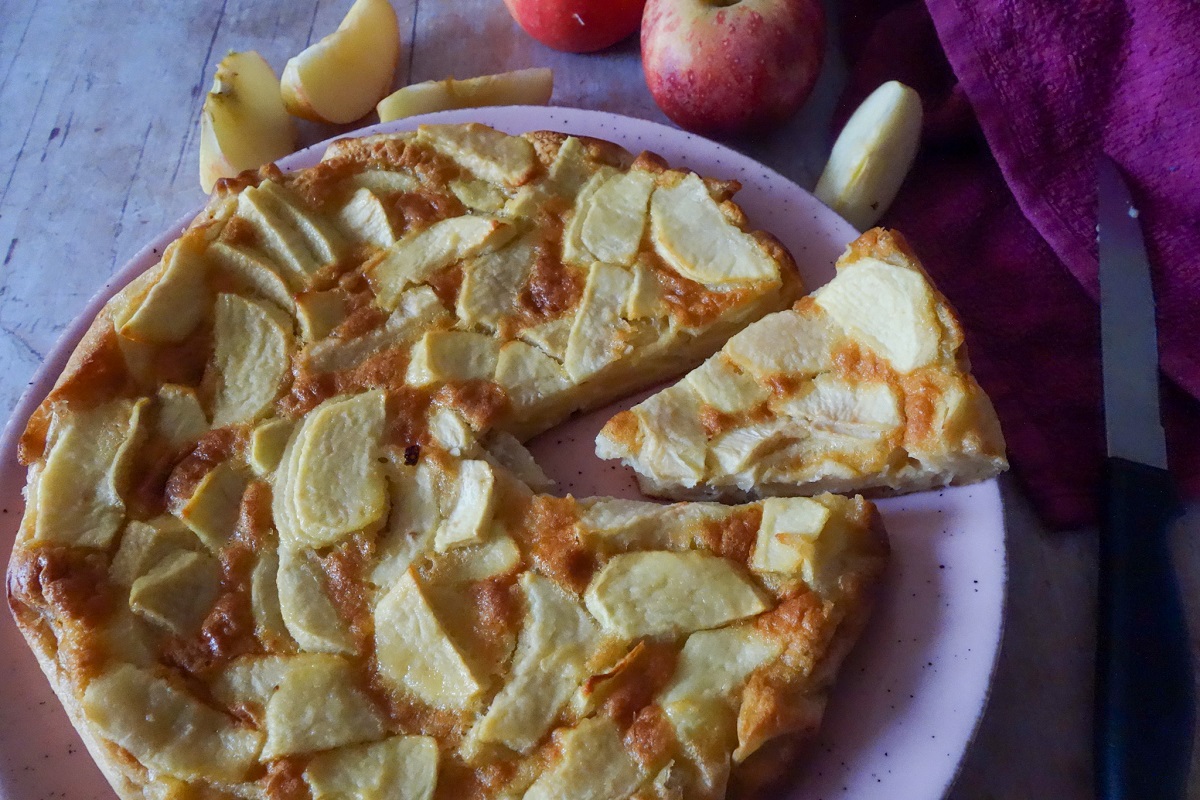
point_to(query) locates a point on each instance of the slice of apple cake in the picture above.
(864, 386)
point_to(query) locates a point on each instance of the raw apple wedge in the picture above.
(872, 155)
(243, 124)
(341, 78)
(522, 87)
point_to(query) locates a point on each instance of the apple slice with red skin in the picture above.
(724, 67)
(577, 26)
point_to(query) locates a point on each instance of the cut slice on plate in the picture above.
(864, 386)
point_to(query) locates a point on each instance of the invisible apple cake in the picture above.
(862, 386)
(282, 540)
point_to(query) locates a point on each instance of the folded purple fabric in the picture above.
(1020, 97)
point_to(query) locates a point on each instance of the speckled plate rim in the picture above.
(911, 695)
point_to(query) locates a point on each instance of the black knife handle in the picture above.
(1144, 711)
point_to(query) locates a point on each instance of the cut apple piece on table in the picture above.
(872, 155)
(243, 124)
(522, 87)
(341, 78)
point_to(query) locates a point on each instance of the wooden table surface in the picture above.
(99, 110)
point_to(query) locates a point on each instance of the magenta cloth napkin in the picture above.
(1020, 96)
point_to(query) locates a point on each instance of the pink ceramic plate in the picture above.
(911, 693)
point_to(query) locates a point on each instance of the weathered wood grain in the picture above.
(99, 108)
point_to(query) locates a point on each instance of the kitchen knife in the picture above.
(1144, 711)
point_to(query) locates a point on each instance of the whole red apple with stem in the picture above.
(731, 66)
(577, 26)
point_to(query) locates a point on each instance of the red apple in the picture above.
(577, 26)
(730, 66)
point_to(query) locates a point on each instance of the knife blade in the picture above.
(1144, 714)
(1129, 336)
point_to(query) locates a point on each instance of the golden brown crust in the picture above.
(39, 633)
(548, 143)
(882, 243)
(788, 720)
(551, 289)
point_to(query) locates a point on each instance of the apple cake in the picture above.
(862, 386)
(282, 540)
